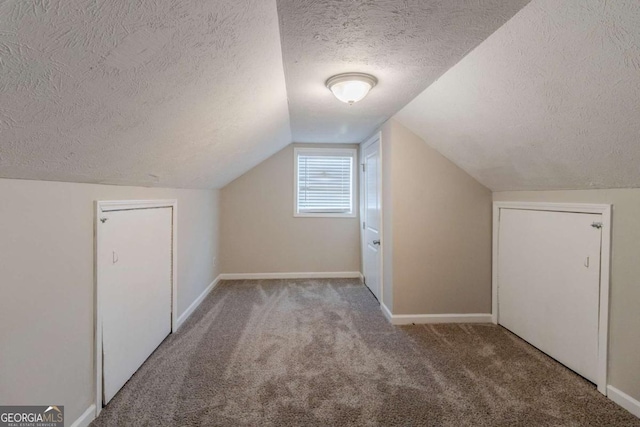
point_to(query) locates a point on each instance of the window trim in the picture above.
(351, 152)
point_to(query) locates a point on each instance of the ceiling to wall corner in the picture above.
(176, 93)
(549, 101)
(406, 44)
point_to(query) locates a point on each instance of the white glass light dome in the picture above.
(351, 87)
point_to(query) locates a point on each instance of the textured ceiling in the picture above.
(179, 93)
(407, 44)
(549, 101)
(192, 94)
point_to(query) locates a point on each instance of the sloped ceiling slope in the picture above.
(406, 44)
(176, 93)
(549, 101)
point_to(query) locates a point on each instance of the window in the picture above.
(325, 182)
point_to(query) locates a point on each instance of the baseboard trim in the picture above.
(189, 311)
(624, 400)
(408, 319)
(300, 275)
(85, 419)
(386, 312)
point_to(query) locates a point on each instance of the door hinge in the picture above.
(597, 225)
(363, 225)
(363, 167)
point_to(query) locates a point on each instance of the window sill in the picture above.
(323, 215)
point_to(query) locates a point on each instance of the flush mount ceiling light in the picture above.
(351, 87)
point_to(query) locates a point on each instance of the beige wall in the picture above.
(261, 235)
(438, 220)
(624, 326)
(387, 160)
(47, 284)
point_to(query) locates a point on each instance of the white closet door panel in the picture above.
(372, 196)
(136, 265)
(549, 281)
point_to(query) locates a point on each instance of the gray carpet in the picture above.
(320, 353)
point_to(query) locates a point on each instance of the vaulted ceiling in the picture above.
(192, 94)
(168, 93)
(406, 44)
(185, 93)
(551, 100)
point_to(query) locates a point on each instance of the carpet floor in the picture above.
(320, 353)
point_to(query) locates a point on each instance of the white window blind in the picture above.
(325, 183)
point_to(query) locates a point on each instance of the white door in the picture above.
(372, 196)
(549, 283)
(135, 256)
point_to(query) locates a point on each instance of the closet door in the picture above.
(371, 248)
(549, 283)
(135, 257)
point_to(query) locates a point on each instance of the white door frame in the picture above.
(605, 268)
(121, 205)
(376, 137)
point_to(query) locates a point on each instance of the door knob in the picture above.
(376, 242)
